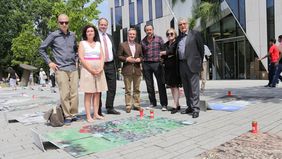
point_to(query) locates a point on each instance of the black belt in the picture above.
(109, 62)
(151, 61)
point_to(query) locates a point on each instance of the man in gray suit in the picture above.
(190, 54)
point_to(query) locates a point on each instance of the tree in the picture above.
(80, 13)
(206, 11)
(25, 47)
(23, 20)
(13, 15)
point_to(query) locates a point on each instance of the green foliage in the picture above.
(207, 12)
(25, 47)
(24, 23)
(80, 14)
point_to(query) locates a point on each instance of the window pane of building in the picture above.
(131, 14)
(117, 3)
(159, 8)
(140, 11)
(270, 19)
(118, 18)
(238, 9)
(150, 10)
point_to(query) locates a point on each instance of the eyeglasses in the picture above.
(62, 23)
(169, 34)
(182, 24)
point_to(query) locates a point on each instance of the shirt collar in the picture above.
(101, 33)
(61, 32)
(131, 43)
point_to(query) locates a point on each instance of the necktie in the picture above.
(106, 48)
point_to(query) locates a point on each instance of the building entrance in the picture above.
(230, 58)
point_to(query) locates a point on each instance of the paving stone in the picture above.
(212, 128)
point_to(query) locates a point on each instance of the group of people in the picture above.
(275, 64)
(98, 58)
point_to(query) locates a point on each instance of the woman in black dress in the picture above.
(172, 76)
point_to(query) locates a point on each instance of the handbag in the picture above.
(55, 116)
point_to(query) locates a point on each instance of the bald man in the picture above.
(64, 48)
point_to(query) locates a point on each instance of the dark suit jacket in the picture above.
(194, 51)
(123, 53)
(115, 56)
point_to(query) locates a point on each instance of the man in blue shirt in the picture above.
(64, 48)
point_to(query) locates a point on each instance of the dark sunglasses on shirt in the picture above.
(169, 34)
(62, 23)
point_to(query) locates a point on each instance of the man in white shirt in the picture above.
(205, 68)
(109, 67)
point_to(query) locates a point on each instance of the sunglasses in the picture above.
(62, 23)
(169, 34)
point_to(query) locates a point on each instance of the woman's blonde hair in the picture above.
(171, 29)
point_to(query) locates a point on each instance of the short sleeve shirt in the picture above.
(274, 53)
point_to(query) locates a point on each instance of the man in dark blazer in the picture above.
(130, 53)
(109, 67)
(190, 54)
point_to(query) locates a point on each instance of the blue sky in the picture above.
(105, 12)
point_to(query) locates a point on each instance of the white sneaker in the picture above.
(150, 107)
(164, 108)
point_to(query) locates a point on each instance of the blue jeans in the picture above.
(278, 70)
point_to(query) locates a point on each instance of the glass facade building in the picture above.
(138, 13)
(236, 40)
(233, 55)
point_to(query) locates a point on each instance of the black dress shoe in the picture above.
(195, 114)
(178, 107)
(187, 111)
(113, 111)
(173, 110)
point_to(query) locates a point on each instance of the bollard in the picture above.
(141, 111)
(229, 93)
(254, 127)
(152, 114)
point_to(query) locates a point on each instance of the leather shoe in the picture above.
(195, 114)
(127, 110)
(173, 110)
(187, 111)
(178, 107)
(113, 111)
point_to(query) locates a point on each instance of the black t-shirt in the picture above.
(13, 74)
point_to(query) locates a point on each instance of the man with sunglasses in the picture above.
(190, 54)
(64, 48)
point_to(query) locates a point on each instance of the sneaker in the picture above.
(67, 122)
(164, 108)
(150, 106)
